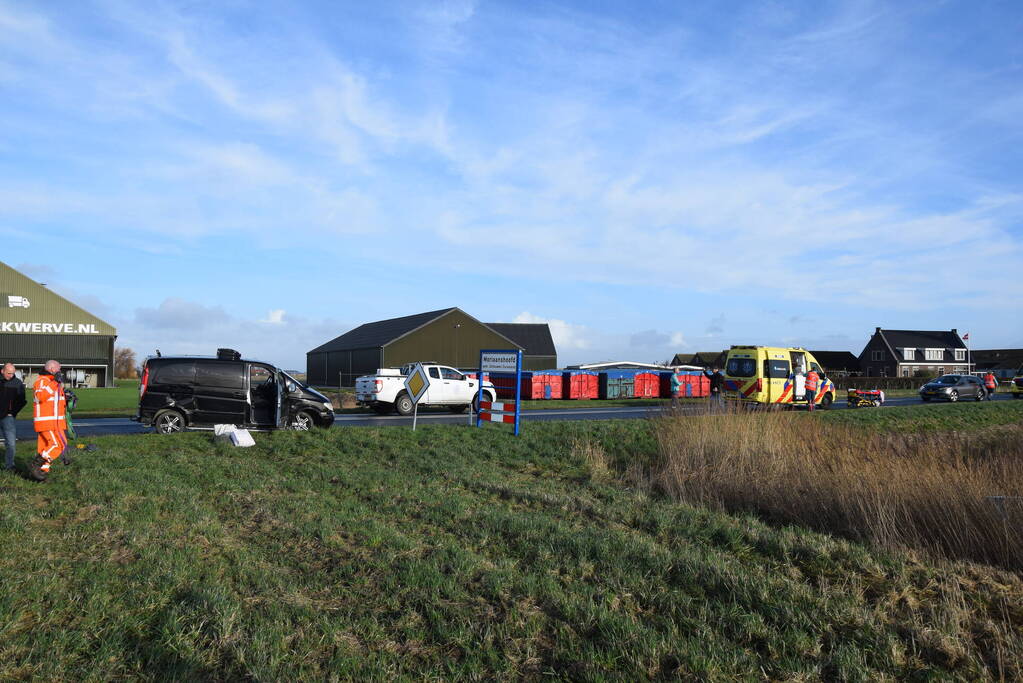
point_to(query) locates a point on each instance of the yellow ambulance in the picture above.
(1017, 384)
(771, 375)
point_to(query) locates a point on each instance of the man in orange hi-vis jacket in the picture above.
(50, 420)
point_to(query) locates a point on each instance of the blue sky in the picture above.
(651, 178)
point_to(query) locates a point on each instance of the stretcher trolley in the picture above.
(865, 398)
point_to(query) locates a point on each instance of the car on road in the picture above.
(385, 391)
(1016, 384)
(954, 388)
(189, 392)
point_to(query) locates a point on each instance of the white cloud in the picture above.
(566, 336)
(274, 317)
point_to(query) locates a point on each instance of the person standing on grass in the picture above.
(676, 387)
(812, 379)
(50, 420)
(12, 400)
(717, 386)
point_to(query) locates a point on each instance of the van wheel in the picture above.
(169, 422)
(403, 404)
(826, 402)
(302, 422)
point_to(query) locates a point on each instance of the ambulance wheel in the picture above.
(302, 422)
(169, 422)
(403, 404)
(826, 402)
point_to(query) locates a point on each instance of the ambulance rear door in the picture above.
(799, 375)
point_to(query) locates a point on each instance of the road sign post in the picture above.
(500, 360)
(416, 385)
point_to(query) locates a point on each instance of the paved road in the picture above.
(122, 425)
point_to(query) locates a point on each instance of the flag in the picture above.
(966, 336)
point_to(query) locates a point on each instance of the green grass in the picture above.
(931, 417)
(449, 553)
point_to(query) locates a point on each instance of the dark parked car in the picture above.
(953, 388)
(188, 392)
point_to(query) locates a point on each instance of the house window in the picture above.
(960, 354)
(877, 355)
(941, 370)
(935, 354)
(905, 372)
(908, 353)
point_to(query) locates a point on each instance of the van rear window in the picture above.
(741, 367)
(224, 375)
(777, 369)
(174, 373)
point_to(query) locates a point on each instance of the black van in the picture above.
(188, 392)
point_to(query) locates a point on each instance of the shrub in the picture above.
(951, 494)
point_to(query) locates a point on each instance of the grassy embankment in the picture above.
(454, 552)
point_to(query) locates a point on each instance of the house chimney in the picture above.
(955, 331)
(877, 330)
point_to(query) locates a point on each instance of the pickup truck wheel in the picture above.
(403, 404)
(169, 422)
(487, 397)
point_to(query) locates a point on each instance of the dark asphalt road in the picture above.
(122, 425)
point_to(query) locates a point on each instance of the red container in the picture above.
(580, 384)
(647, 384)
(504, 385)
(541, 384)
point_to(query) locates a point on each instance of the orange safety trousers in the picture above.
(50, 446)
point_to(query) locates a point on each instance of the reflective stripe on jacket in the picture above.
(811, 380)
(989, 381)
(49, 403)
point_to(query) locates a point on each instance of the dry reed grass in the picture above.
(937, 492)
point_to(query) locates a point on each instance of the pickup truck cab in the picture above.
(385, 392)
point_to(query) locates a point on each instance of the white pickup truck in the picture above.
(385, 391)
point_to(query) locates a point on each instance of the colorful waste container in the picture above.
(617, 384)
(580, 384)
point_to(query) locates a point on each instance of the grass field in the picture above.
(452, 553)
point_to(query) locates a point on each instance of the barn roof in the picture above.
(534, 338)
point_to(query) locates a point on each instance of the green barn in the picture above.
(449, 336)
(37, 324)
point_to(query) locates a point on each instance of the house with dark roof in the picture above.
(702, 359)
(909, 353)
(448, 336)
(838, 363)
(538, 351)
(1002, 363)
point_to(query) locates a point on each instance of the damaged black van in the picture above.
(190, 392)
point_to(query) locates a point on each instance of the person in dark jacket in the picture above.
(717, 386)
(12, 400)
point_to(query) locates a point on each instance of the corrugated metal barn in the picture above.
(449, 336)
(37, 324)
(538, 352)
